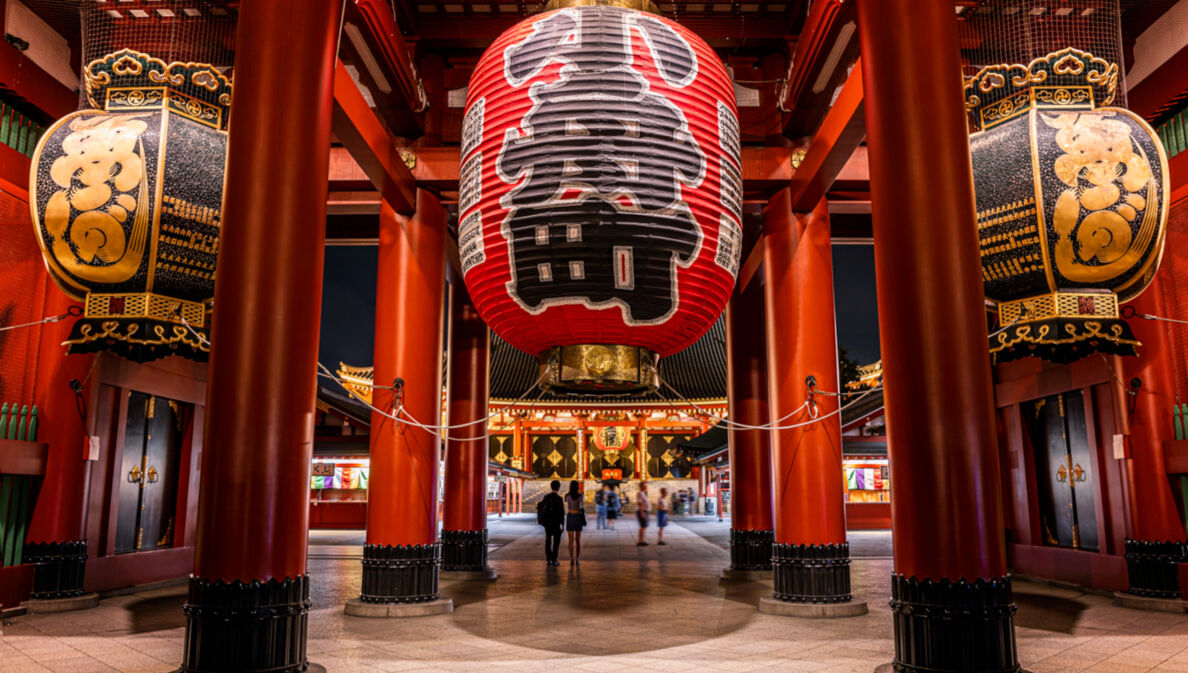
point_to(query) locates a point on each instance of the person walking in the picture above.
(661, 516)
(575, 521)
(550, 513)
(600, 507)
(613, 506)
(642, 507)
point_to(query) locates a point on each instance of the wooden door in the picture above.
(132, 473)
(1063, 470)
(154, 431)
(1081, 480)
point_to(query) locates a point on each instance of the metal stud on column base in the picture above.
(464, 555)
(58, 578)
(750, 555)
(953, 626)
(246, 627)
(812, 581)
(1153, 570)
(400, 581)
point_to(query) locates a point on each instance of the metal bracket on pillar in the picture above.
(954, 626)
(751, 549)
(809, 573)
(1153, 567)
(400, 573)
(464, 549)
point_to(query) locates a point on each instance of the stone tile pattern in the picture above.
(626, 608)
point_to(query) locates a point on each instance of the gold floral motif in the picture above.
(103, 186)
(1064, 68)
(1111, 187)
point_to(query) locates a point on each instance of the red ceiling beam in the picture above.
(372, 42)
(26, 80)
(370, 144)
(477, 32)
(840, 134)
(1159, 91)
(825, 49)
(765, 169)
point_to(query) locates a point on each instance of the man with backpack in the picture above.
(550, 513)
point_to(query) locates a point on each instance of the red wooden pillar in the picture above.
(1155, 536)
(752, 520)
(56, 532)
(402, 556)
(951, 594)
(253, 513)
(464, 524)
(810, 557)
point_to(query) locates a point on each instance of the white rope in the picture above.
(770, 426)
(1148, 316)
(55, 318)
(197, 335)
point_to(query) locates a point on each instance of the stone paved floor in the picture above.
(626, 608)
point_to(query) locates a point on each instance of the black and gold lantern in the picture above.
(1071, 205)
(126, 197)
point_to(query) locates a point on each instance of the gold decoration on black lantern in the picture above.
(124, 223)
(1071, 204)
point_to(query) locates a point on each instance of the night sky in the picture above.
(348, 303)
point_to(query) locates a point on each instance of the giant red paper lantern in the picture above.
(601, 192)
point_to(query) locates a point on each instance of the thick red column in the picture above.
(946, 507)
(464, 520)
(56, 534)
(409, 320)
(253, 508)
(1155, 536)
(811, 557)
(752, 520)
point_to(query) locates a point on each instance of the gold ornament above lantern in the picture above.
(126, 200)
(1071, 204)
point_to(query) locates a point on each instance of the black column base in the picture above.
(953, 626)
(811, 573)
(751, 549)
(464, 549)
(257, 627)
(1152, 567)
(400, 573)
(60, 568)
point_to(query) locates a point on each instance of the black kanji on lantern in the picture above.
(599, 215)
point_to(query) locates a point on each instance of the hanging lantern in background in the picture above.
(1072, 205)
(601, 192)
(127, 202)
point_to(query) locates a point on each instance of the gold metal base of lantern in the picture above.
(1061, 327)
(1063, 304)
(145, 305)
(599, 369)
(641, 5)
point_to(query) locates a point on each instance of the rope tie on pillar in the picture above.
(73, 312)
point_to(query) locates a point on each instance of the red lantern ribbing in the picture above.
(55, 539)
(600, 193)
(253, 512)
(402, 557)
(951, 594)
(1155, 536)
(751, 516)
(464, 511)
(810, 557)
